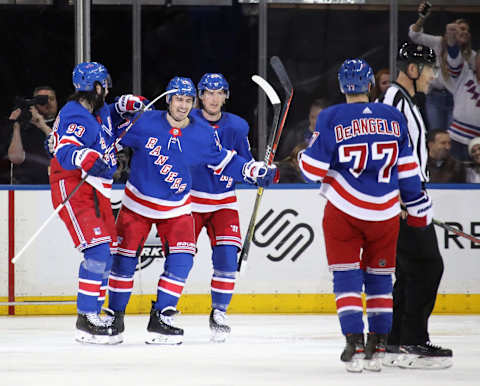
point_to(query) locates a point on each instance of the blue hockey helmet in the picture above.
(354, 76)
(184, 86)
(87, 73)
(213, 81)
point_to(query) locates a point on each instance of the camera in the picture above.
(25, 103)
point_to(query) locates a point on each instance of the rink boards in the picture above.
(286, 272)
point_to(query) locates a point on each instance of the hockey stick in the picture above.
(105, 155)
(272, 145)
(456, 231)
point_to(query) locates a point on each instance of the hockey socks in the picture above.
(224, 271)
(120, 285)
(104, 285)
(171, 283)
(378, 289)
(91, 273)
(347, 286)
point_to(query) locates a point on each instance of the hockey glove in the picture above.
(129, 104)
(257, 172)
(271, 177)
(49, 145)
(91, 162)
(420, 211)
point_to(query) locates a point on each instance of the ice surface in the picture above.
(262, 350)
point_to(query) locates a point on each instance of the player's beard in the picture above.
(99, 101)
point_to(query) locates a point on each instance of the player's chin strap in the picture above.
(420, 69)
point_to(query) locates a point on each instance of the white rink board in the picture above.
(4, 243)
(50, 266)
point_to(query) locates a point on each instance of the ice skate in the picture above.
(161, 329)
(392, 354)
(218, 326)
(425, 356)
(92, 329)
(353, 353)
(374, 351)
(115, 319)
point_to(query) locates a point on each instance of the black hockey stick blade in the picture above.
(456, 231)
(279, 118)
(287, 86)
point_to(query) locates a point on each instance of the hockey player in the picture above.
(166, 145)
(214, 203)
(360, 152)
(81, 134)
(419, 265)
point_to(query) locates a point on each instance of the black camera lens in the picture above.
(40, 100)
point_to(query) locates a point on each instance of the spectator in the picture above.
(473, 168)
(123, 166)
(443, 168)
(301, 132)
(464, 85)
(439, 101)
(288, 167)
(5, 135)
(382, 82)
(31, 124)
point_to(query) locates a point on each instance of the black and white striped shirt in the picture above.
(398, 97)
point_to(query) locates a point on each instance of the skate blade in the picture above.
(85, 337)
(425, 363)
(356, 364)
(374, 364)
(390, 360)
(154, 338)
(218, 337)
(116, 339)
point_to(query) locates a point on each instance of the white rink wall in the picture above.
(288, 254)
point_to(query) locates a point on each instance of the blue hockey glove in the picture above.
(257, 172)
(420, 211)
(99, 168)
(271, 176)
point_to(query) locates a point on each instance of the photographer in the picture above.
(31, 122)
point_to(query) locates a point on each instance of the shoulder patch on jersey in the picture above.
(367, 110)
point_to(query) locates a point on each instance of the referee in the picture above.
(419, 265)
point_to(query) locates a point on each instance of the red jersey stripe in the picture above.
(153, 206)
(211, 201)
(357, 202)
(409, 166)
(313, 169)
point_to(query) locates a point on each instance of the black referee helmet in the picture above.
(416, 53)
